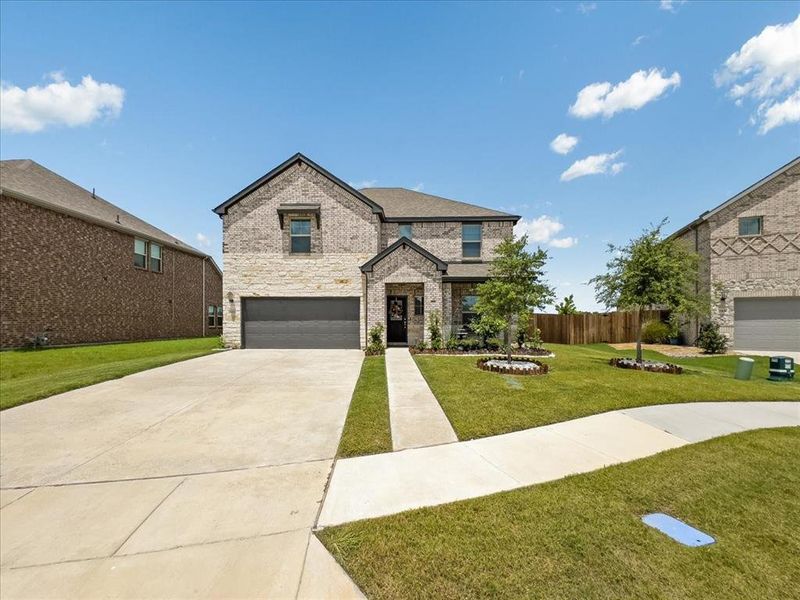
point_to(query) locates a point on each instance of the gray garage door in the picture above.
(300, 323)
(767, 324)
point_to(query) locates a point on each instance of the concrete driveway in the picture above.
(199, 479)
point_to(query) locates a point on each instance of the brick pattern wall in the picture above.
(459, 290)
(403, 266)
(754, 266)
(443, 239)
(256, 249)
(77, 279)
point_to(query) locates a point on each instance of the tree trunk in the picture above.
(639, 358)
(508, 343)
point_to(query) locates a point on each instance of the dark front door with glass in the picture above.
(396, 320)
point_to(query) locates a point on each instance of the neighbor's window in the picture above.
(750, 225)
(300, 233)
(419, 305)
(468, 314)
(155, 258)
(211, 319)
(140, 253)
(405, 230)
(471, 240)
(219, 316)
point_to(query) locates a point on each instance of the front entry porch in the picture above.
(405, 313)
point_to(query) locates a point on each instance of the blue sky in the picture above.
(460, 100)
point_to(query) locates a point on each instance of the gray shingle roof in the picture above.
(468, 270)
(30, 181)
(400, 203)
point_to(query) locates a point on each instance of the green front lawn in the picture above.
(367, 430)
(479, 403)
(582, 537)
(27, 375)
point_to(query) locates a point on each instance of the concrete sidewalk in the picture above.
(383, 484)
(416, 417)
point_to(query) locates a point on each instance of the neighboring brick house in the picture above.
(749, 250)
(311, 262)
(81, 270)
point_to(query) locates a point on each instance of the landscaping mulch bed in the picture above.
(518, 366)
(483, 352)
(647, 365)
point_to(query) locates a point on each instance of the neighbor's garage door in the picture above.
(300, 322)
(767, 324)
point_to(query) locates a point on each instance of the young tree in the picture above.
(515, 287)
(649, 272)
(567, 306)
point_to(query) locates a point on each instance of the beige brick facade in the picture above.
(765, 265)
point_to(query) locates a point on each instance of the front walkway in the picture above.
(383, 484)
(416, 418)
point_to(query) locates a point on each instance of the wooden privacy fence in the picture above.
(592, 328)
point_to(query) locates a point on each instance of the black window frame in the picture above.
(465, 243)
(410, 226)
(758, 220)
(219, 316)
(212, 317)
(468, 316)
(419, 305)
(299, 236)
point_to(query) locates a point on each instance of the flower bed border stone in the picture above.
(649, 366)
(527, 352)
(542, 370)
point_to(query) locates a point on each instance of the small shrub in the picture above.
(451, 343)
(421, 345)
(494, 344)
(375, 345)
(711, 340)
(655, 332)
(435, 329)
(534, 338)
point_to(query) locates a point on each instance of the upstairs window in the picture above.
(300, 234)
(750, 225)
(468, 314)
(155, 258)
(405, 230)
(219, 316)
(471, 240)
(212, 316)
(139, 254)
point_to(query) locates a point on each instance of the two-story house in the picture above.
(311, 262)
(749, 250)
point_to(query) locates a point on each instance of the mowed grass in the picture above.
(367, 429)
(27, 375)
(582, 537)
(581, 382)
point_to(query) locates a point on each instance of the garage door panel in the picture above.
(301, 323)
(767, 324)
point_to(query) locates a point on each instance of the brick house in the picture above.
(311, 262)
(749, 250)
(79, 269)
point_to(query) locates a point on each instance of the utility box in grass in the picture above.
(781, 368)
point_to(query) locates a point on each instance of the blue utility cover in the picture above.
(678, 530)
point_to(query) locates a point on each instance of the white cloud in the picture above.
(419, 187)
(542, 231)
(587, 7)
(58, 103)
(607, 99)
(521, 74)
(594, 165)
(670, 5)
(203, 240)
(639, 39)
(366, 183)
(563, 143)
(766, 69)
(775, 114)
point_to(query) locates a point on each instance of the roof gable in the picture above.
(403, 242)
(297, 158)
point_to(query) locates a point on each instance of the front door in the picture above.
(396, 320)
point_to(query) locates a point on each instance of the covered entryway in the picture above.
(767, 324)
(300, 323)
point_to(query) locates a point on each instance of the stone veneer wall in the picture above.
(767, 265)
(404, 265)
(443, 239)
(256, 252)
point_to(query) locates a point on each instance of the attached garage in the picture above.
(300, 323)
(767, 324)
